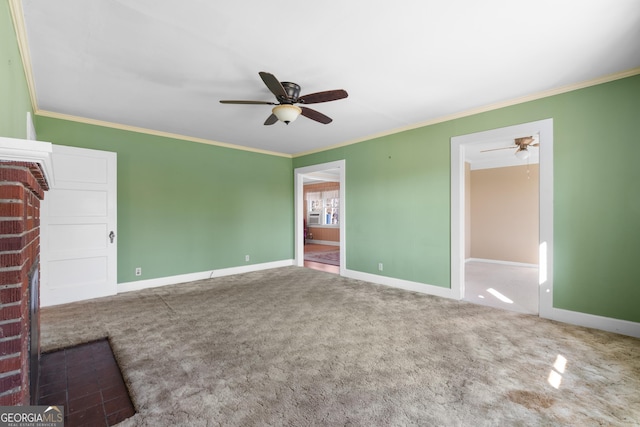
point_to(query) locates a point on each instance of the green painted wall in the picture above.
(398, 197)
(14, 93)
(186, 207)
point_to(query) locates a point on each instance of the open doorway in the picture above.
(502, 223)
(320, 217)
(321, 207)
(461, 229)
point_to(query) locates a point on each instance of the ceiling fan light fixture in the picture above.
(522, 153)
(286, 112)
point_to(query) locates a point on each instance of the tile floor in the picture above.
(86, 380)
(511, 287)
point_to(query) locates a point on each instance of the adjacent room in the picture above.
(285, 213)
(502, 229)
(321, 207)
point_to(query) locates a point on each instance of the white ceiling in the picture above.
(331, 175)
(499, 153)
(164, 65)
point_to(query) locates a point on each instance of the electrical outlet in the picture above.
(247, 258)
(380, 266)
(138, 271)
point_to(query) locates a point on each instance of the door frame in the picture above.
(545, 247)
(299, 207)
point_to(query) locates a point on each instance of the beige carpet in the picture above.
(297, 347)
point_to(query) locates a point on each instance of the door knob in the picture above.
(112, 236)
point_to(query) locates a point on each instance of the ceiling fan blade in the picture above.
(326, 96)
(503, 148)
(525, 140)
(315, 115)
(247, 102)
(274, 85)
(270, 120)
(537, 144)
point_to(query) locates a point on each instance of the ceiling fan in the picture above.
(522, 145)
(287, 95)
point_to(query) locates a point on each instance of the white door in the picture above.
(78, 227)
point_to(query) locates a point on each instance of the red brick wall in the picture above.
(22, 186)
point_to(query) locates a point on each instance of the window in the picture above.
(323, 207)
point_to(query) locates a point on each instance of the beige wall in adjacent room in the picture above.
(504, 213)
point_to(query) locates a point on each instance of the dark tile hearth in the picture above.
(86, 380)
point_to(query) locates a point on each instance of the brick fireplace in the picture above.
(24, 171)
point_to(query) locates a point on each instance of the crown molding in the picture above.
(17, 15)
(483, 109)
(94, 122)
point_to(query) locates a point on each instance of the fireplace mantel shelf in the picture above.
(25, 150)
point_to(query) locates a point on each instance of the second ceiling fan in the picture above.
(288, 94)
(522, 145)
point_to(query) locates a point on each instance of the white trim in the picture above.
(190, 277)
(17, 14)
(458, 143)
(323, 242)
(31, 129)
(24, 150)
(496, 261)
(400, 284)
(162, 134)
(607, 324)
(483, 109)
(546, 266)
(299, 207)
(618, 326)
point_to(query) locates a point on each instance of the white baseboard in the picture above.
(190, 277)
(624, 327)
(495, 261)
(400, 283)
(323, 242)
(618, 326)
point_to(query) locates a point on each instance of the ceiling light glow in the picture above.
(286, 112)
